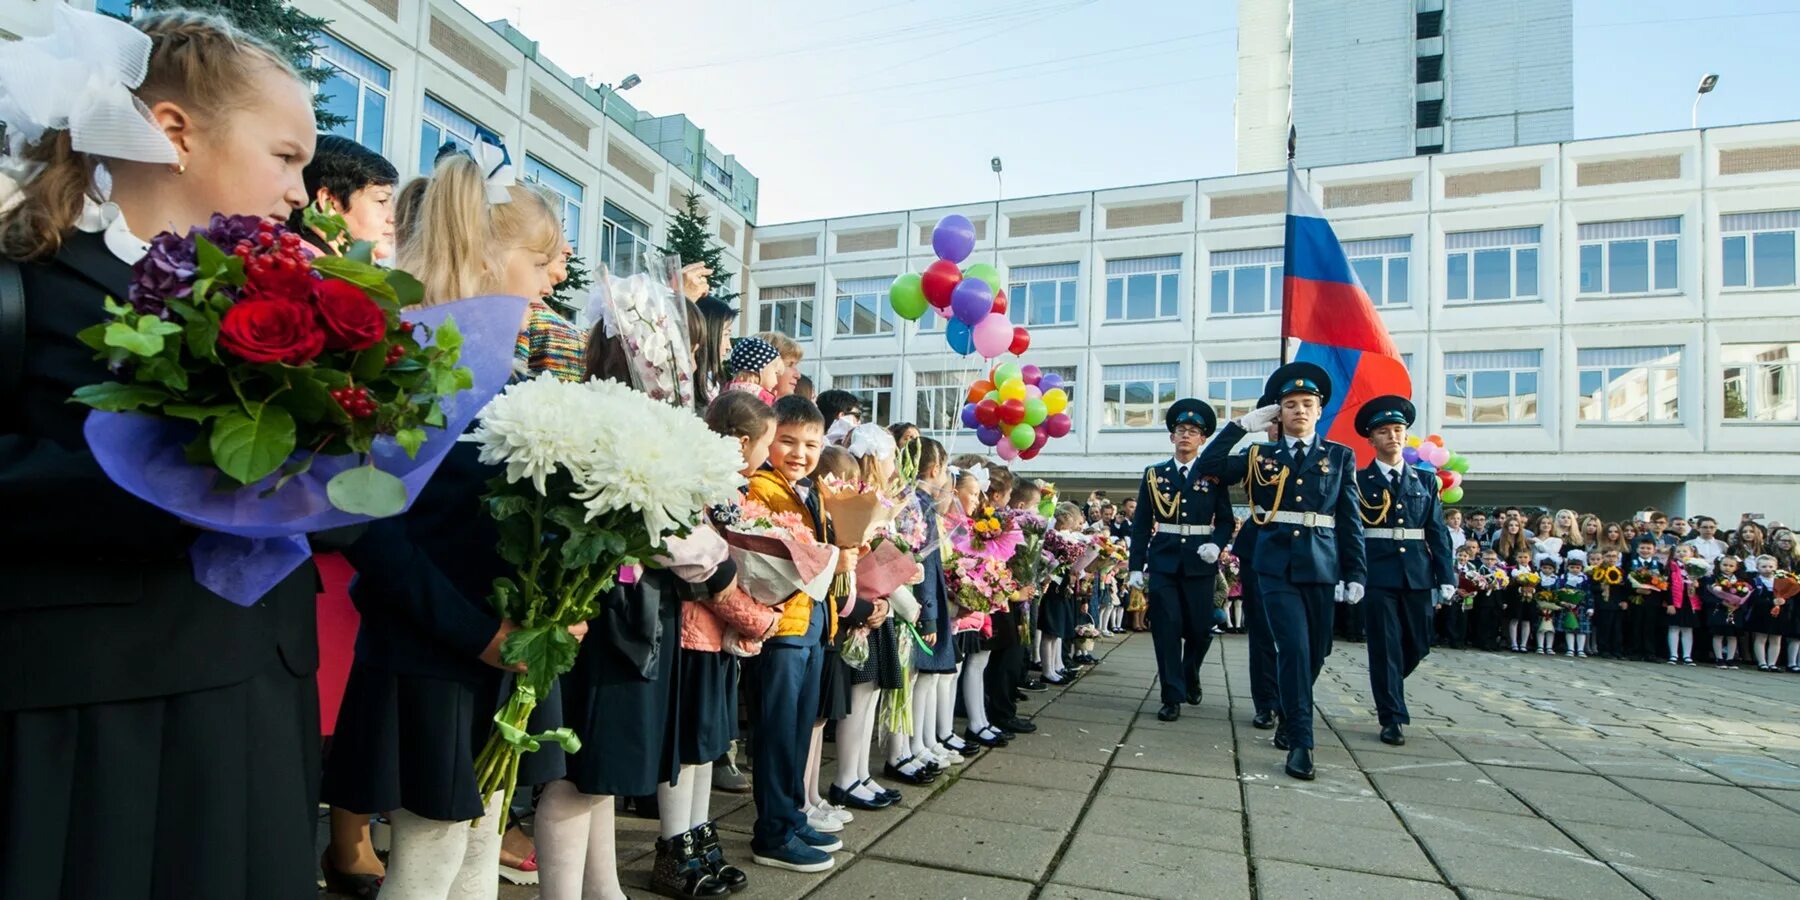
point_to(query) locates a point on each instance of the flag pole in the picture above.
(1287, 246)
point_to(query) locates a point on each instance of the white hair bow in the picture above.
(839, 432)
(80, 77)
(870, 439)
(496, 171)
(978, 472)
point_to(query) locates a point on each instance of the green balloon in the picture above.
(1452, 495)
(1457, 463)
(1004, 373)
(994, 396)
(986, 273)
(907, 294)
(1035, 412)
(1022, 435)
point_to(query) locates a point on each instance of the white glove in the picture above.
(1136, 581)
(1209, 553)
(1447, 591)
(1353, 593)
(1258, 419)
(1337, 593)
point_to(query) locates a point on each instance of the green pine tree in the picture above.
(571, 293)
(291, 32)
(690, 239)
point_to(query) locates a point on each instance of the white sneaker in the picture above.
(822, 820)
(1571, 654)
(839, 813)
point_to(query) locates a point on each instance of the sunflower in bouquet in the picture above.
(1612, 576)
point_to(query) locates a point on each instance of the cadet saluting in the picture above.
(1183, 518)
(1309, 536)
(1410, 566)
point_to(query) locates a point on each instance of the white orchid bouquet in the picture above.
(597, 477)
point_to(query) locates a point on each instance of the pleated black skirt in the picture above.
(1056, 618)
(967, 644)
(629, 725)
(834, 686)
(883, 665)
(709, 701)
(208, 795)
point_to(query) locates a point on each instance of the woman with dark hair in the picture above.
(711, 334)
(356, 183)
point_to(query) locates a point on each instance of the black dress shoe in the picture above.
(1390, 734)
(889, 794)
(1300, 764)
(1019, 726)
(976, 737)
(1281, 741)
(1169, 712)
(1263, 721)
(840, 797)
(919, 776)
(1193, 697)
(1035, 686)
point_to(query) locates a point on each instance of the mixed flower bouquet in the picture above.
(1069, 554)
(1732, 593)
(980, 583)
(583, 499)
(1571, 600)
(777, 555)
(262, 393)
(858, 509)
(1646, 581)
(1085, 635)
(1030, 565)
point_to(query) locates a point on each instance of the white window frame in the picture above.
(345, 59)
(1605, 238)
(1470, 245)
(450, 122)
(1650, 366)
(938, 396)
(1234, 386)
(1746, 230)
(611, 232)
(1752, 381)
(771, 309)
(851, 291)
(1226, 268)
(877, 398)
(1393, 253)
(1066, 277)
(1467, 365)
(1166, 296)
(567, 193)
(1115, 382)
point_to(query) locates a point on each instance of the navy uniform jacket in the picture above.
(1405, 565)
(1325, 485)
(1202, 500)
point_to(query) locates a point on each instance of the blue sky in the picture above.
(868, 105)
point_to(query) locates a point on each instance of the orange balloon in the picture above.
(979, 390)
(1435, 439)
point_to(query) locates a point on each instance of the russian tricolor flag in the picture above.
(1327, 315)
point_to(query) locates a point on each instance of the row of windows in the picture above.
(1615, 386)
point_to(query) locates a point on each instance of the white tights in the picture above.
(437, 860)
(815, 757)
(1050, 656)
(855, 734)
(1793, 651)
(686, 805)
(1521, 635)
(924, 716)
(1681, 642)
(1725, 650)
(974, 690)
(946, 708)
(576, 845)
(1767, 648)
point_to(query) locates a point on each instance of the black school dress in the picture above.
(144, 720)
(1056, 616)
(419, 704)
(1721, 620)
(1762, 619)
(622, 697)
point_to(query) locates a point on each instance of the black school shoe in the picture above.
(919, 777)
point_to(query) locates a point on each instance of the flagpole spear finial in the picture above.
(1292, 137)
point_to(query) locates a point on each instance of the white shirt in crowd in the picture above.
(1708, 550)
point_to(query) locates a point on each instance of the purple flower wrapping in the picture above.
(166, 272)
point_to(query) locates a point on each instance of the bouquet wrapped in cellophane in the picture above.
(777, 555)
(858, 509)
(597, 477)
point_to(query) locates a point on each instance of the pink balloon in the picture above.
(1439, 455)
(1031, 391)
(1005, 448)
(993, 335)
(942, 311)
(1042, 439)
(1455, 479)
(1031, 374)
(1058, 425)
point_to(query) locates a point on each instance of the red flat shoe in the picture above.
(524, 873)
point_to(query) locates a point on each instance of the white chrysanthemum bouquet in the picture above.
(597, 476)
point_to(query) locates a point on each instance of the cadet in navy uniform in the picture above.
(1411, 568)
(1265, 691)
(1183, 519)
(1309, 536)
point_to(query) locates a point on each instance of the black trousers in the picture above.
(1006, 667)
(1399, 629)
(1300, 619)
(1609, 635)
(1484, 621)
(1181, 631)
(1265, 688)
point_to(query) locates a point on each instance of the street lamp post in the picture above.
(1707, 83)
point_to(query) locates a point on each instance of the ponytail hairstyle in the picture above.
(740, 414)
(835, 461)
(455, 241)
(196, 60)
(406, 209)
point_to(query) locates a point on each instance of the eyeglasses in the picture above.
(1188, 431)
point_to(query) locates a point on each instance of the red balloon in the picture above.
(940, 278)
(1042, 439)
(1030, 452)
(999, 301)
(1444, 476)
(1012, 412)
(1021, 341)
(987, 412)
(979, 390)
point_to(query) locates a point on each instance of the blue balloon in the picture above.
(953, 238)
(960, 336)
(987, 436)
(968, 416)
(971, 301)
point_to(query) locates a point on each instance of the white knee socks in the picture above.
(974, 690)
(577, 850)
(436, 860)
(924, 712)
(700, 811)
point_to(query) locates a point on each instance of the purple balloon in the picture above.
(1033, 375)
(987, 436)
(1410, 454)
(968, 416)
(1050, 381)
(953, 238)
(971, 301)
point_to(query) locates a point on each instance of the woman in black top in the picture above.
(156, 740)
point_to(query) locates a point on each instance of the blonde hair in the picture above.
(406, 209)
(1070, 513)
(785, 347)
(199, 61)
(454, 243)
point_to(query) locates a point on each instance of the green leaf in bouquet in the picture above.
(447, 337)
(209, 260)
(367, 491)
(202, 331)
(292, 470)
(197, 412)
(146, 339)
(582, 548)
(164, 371)
(116, 309)
(331, 378)
(249, 443)
(547, 651)
(310, 400)
(368, 364)
(94, 336)
(505, 598)
(505, 506)
(434, 417)
(410, 440)
(198, 452)
(361, 251)
(517, 540)
(407, 289)
(363, 275)
(112, 396)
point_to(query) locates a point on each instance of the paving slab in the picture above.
(1628, 845)
(1169, 787)
(971, 845)
(1181, 824)
(1379, 851)
(1299, 800)
(1418, 787)
(1676, 793)
(879, 879)
(1517, 854)
(1011, 768)
(1294, 881)
(1149, 869)
(1021, 804)
(1664, 884)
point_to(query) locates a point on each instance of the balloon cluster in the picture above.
(1017, 410)
(973, 299)
(1449, 466)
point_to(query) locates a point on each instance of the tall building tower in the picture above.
(1365, 80)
